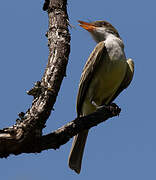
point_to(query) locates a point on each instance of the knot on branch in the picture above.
(36, 90)
(21, 118)
(46, 5)
(39, 89)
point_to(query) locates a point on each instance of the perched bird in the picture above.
(106, 73)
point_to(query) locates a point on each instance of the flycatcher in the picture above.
(106, 73)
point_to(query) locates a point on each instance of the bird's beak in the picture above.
(87, 26)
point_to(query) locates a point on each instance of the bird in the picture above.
(105, 75)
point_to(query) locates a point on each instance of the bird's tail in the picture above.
(77, 149)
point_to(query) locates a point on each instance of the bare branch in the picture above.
(12, 145)
(45, 92)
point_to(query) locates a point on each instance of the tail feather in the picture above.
(77, 149)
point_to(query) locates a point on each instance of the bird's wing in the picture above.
(88, 71)
(127, 79)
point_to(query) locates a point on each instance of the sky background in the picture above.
(122, 148)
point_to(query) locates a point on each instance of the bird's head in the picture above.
(99, 30)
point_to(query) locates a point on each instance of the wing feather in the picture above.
(127, 80)
(88, 72)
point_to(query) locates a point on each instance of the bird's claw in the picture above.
(114, 109)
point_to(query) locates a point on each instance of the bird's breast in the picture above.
(105, 82)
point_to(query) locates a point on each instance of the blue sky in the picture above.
(122, 148)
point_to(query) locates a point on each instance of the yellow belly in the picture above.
(104, 84)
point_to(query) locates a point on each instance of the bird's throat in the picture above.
(115, 48)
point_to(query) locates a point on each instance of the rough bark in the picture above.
(26, 135)
(36, 144)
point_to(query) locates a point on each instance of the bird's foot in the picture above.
(99, 107)
(113, 108)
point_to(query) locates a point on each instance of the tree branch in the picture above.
(57, 138)
(31, 123)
